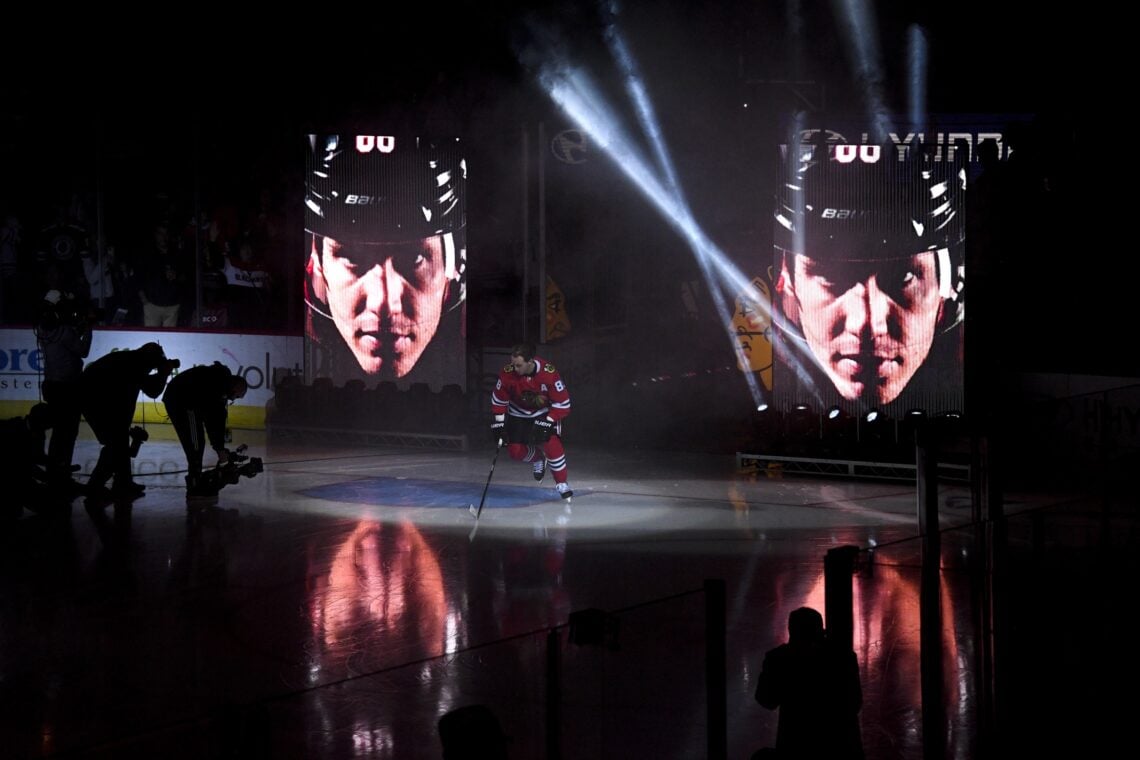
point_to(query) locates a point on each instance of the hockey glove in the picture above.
(542, 430)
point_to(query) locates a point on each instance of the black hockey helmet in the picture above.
(859, 210)
(843, 202)
(370, 188)
(384, 189)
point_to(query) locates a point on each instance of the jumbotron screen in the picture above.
(869, 272)
(385, 259)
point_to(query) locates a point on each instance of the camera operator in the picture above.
(109, 390)
(21, 459)
(64, 336)
(196, 401)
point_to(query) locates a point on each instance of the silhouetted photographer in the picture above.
(22, 460)
(63, 332)
(197, 402)
(815, 685)
(109, 390)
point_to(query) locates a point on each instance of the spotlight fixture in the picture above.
(767, 425)
(877, 433)
(949, 424)
(911, 423)
(803, 430)
(838, 432)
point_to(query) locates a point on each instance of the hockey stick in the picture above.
(483, 498)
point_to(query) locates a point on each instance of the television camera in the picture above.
(237, 464)
(64, 310)
(139, 436)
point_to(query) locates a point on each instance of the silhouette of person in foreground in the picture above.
(815, 685)
(472, 733)
(22, 461)
(63, 335)
(197, 402)
(109, 389)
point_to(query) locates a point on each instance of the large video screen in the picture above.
(385, 259)
(869, 272)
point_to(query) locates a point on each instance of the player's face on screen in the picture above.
(869, 324)
(385, 298)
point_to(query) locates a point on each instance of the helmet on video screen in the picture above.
(390, 189)
(847, 207)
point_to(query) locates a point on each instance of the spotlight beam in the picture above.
(644, 107)
(857, 21)
(917, 57)
(580, 99)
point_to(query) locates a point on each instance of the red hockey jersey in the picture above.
(537, 395)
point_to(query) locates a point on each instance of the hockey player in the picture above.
(528, 403)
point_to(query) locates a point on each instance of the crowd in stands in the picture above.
(221, 269)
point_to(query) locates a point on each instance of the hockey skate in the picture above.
(540, 469)
(564, 491)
